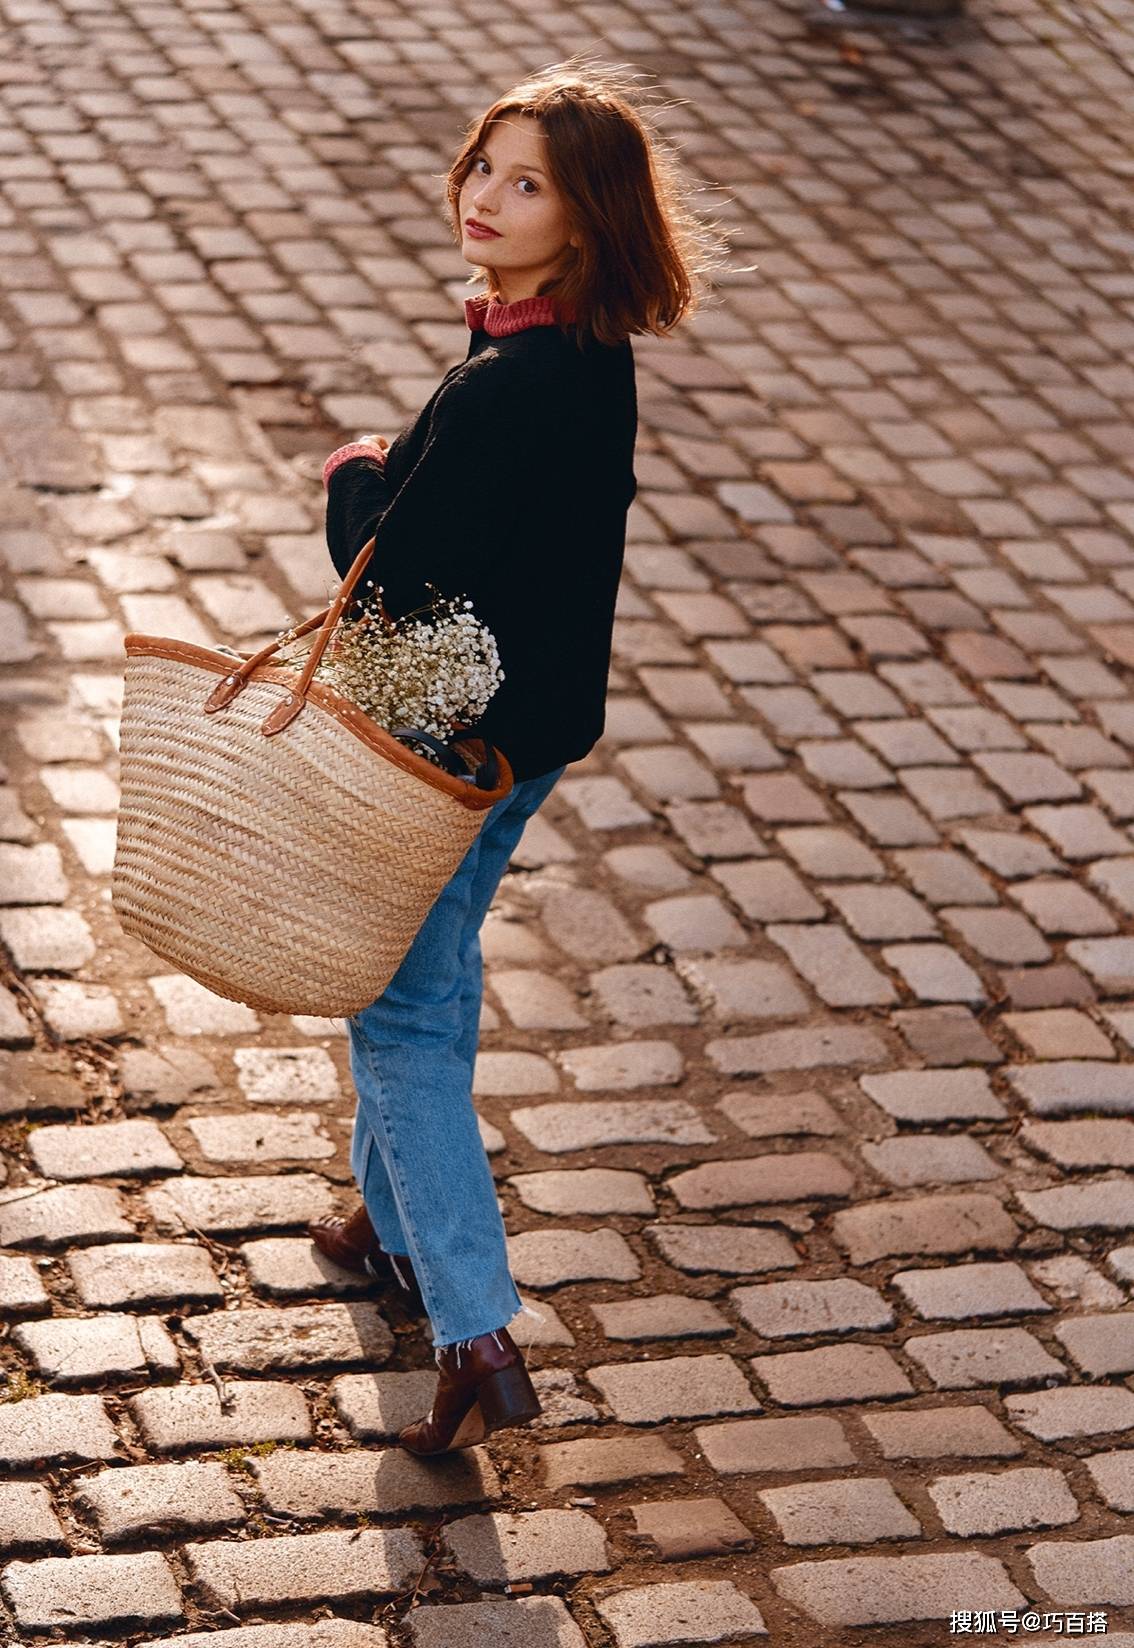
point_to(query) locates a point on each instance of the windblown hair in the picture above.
(642, 250)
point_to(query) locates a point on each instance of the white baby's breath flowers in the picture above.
(435, 669)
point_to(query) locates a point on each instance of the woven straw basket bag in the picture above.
(274, 843)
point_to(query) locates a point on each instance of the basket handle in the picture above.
(286, 711)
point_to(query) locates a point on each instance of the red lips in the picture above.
(480, 230)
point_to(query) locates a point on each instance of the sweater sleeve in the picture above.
(459, 506)
(358, 495)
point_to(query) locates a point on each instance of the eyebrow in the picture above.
(517, 166)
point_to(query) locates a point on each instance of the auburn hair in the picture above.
(642, 249)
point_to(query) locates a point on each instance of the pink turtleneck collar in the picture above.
(501, 320)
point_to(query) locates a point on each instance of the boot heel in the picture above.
(508, 1398)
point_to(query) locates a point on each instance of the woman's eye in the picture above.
(527, 185)
(479, 163)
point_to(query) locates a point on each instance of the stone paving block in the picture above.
(886, 1590)
(191, 1010)
(956, 1293)
(649, 869)
(738, 990)
(301, 1568)
(1099, 1345)
(943, 876)
(832, 854)
(529, 1622)
(292, 1267)
(934, 972)
(1082, 1144)
(592, 1190)
(1063, 1086)
(1113, 1476)
(77, 1011)
(27, 1520)
(41, 938)
(504, 1548)
(261, 1139)
(603, 803)
(881, 912)
(588, 926)
(166, 1074)
(321, 1633)
(512, 1075)
(922, 1158)
(280, 1075)
(692, 923)
(1097, 1204)
(1054, 1415)
(537, 1001)
(767, 890)
(730, 1250)
(144, 1273)
(938, 1433)
(55, 1428)
(802, 1175)
(93, 1591)
(791, 1310)
(602, 1462)
(232, 1206)
(197, 1497)
(968, 1358)
(924, 1224)
(767, 1115)
(74, 1350)
(295, 1483)
(559, 1128)
(192, 1416)
(763, 1446)
(701, 1610)
(375, 1406)
(623, 1066)
(812, 1047)
(32, 875)
(550, 1258)
(1085, 1573)
(641, 996)
(677, 1530)
(927, 1096)
(677, 1387)
(21, 1289)
(714, 830)
(50, 1217)
(984, 1502)
(128, 1149)
(835, 1373)
(665, 1316)
(297, 1337)
(15, 1031)
(833, 965)
(1057, 1033)
(860, 1511)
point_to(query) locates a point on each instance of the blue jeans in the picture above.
(417, 1152)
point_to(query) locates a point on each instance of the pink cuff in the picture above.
(344, 454)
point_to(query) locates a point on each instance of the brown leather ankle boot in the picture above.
(352, 1243)
(483, 1386)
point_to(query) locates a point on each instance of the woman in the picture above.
(511, 488)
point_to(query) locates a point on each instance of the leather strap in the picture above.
(286, 711)
(486, 774)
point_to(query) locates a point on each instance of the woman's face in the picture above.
(513, 219)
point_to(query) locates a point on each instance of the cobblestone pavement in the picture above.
(809, 1058)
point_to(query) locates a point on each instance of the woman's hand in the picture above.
(380, 444)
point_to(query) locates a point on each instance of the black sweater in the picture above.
(511, 488)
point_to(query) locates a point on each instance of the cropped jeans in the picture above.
(416, 1151)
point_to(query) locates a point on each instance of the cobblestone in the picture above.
(94, 1591)
(849, 875)
(304, 1568)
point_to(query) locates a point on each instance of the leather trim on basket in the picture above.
(328, 700)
